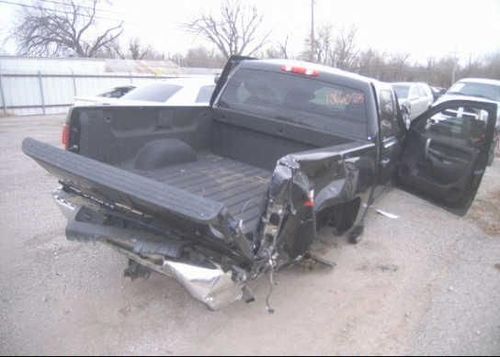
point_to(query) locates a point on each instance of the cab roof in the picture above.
(325, 72)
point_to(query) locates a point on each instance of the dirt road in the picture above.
(427, 282)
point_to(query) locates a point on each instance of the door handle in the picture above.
(385, 162)
(426, 150)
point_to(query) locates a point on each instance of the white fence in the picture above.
(42, 93)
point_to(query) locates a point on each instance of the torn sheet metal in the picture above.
(210, 285)
(304, 184)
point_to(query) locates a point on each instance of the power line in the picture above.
(56, 10)
(82, 6)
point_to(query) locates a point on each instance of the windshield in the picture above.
(298, 99)
(483, 90)
(401, 90)
(155, 92)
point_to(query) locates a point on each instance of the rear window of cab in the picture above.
(328, 106)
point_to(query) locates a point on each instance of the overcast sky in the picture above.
(421, 28)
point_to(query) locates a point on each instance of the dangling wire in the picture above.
(271, 284)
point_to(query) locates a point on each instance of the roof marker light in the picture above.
(300, 70)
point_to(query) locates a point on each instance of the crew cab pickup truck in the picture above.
(216, 196)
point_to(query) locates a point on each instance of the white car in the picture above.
(414, 98)
(173, 91)
(481, 88)
(475, 87)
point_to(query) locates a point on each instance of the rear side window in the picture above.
(204, 94)
(155, 92)
(311, 102)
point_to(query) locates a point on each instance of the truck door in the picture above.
(392, 132)
(446, 152)
(231, 63)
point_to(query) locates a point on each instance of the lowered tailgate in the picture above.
(115, 185)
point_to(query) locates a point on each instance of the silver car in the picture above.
(414, 98)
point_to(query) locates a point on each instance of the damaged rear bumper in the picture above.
(212, 286)
(209, 284)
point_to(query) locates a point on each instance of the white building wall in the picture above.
(37, 86)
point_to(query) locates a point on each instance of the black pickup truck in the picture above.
(217, 196)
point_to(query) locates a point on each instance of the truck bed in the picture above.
(239, 186)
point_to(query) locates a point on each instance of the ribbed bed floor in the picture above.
(239, 186)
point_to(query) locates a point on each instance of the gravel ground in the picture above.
(425, 283)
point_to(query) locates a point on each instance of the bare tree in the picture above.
(68, 27)
(283, 48)
(137, 51)
(337, 49)
(278, 50)
(320, 51)
(203, 57)
(345, 50)
(491, 67)
(234, 31)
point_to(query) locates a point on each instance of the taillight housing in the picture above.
(66, 136)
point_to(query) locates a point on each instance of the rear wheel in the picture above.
(343, 216)
(355, 234)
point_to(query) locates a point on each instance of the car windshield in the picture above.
(299, 99)
(482, 90)
(155, 92)
(401, 90)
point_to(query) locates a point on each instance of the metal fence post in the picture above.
(2, 96)
(41, 91)
(75, 92)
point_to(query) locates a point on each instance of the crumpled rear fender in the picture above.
(306, 183)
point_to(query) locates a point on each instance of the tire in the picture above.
(345, 214)
(356, 234)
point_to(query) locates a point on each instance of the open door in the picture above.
(446, 152)
(232, 62)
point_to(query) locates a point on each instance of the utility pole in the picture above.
(311, 57)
